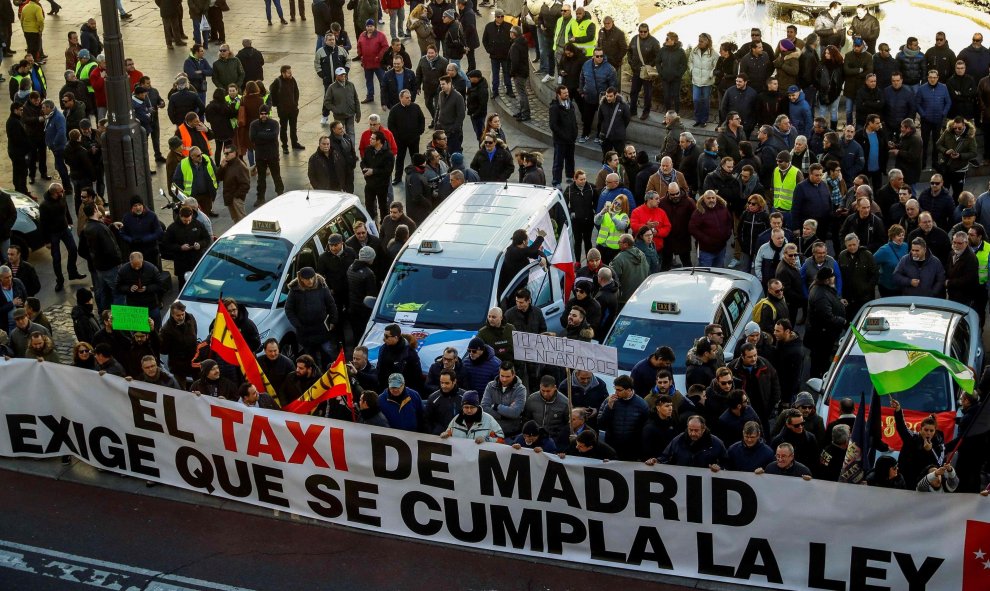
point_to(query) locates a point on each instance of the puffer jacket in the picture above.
(478, 373)
(361, 283)
(965, 145)
(704, 452)
(702, 66)
(487, 428)
(788, 66)
(552, 416)
(623, 425)
(912, 65)
(505, 404)
(595, 79)
(933, 102)
(671, 62)
(309, 310)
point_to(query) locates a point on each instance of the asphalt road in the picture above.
(65, 536)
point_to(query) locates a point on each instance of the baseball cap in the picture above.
(339, 71)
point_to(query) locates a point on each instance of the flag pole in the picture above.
(959, 441)
(347, 375)
(570, 403)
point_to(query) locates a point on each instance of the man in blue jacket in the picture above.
(597, 75)
(933, 102)
(402, 406)
(898, 102)
(56, 140)
(812, 200)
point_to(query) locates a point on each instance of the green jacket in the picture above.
(342, 100)
(228, 71)
(631, 269)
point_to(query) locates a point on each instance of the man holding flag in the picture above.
(333, 384)
(230, 345)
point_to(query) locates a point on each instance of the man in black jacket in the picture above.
(517, 255)
(407, 123)
(312, 312)
(376, 166)
(563, 127)
(55, 224)
(332, 266)
(138, 282)
(18, 148)
(497, 40)
(361, 283)
(185, 242)
(104, 255)
(264, 134)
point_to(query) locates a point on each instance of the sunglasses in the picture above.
(85, 351)
(796, 425)
(724, 383)
(489, 143)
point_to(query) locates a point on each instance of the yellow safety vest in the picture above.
(983, 256)
(783, 188)
(608, 235)
(83, 71)
(187, 174)
(237, 105)
(580, 29)
(556, 32)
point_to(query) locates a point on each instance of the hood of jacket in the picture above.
(719, 203)
(638, 258)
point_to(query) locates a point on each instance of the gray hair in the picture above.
(894, 173)
(687, 135)
(812, 223)
(374, 118)
(780, 118)
(5, 270)
(865, 191)
(456, 175)
(959, 234)
(801, 140)
(191, 202)
(851, 236)
(404, 92)
(752, 428)
(673, 115)
(48, 103)
(605, 274)
(840, 434)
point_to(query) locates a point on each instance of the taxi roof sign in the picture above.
(876, 324)
(665, 308)
(267, 226)
(430, 246)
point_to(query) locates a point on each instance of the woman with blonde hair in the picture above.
(612, 222)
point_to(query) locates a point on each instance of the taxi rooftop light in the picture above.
(665, 308)
(876, 323)
(430, 246)
(268, 226)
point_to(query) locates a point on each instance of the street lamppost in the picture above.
(125, 143)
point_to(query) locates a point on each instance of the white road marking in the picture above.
(96, 573)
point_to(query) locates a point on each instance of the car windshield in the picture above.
(636, 338)
(438, 297)
(931, 394)
(245, 267)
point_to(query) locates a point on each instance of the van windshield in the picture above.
(245, 267)
(436, 297)
(932, 394)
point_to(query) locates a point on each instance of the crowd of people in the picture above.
(825, 217)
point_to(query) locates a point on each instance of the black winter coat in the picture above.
(419, 195)
(563, 122)
(497, 168)
(361, 283)
(264, 136)
(407, 124)
(147, 277)
(826, 315)
(519, 58)
(334, 268)
(320, 170)
(581, 202)
(311, 310)
(476, 102)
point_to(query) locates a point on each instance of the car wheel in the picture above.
(18, 239)
(289, 347)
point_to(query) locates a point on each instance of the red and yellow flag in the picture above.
(229, 344)
(332, 384)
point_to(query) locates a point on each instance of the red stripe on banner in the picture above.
(337, 449)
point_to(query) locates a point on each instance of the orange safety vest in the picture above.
(187, 143)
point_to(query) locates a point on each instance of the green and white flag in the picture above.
(895, 367)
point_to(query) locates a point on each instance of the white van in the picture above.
(445, 279)
(254, 261)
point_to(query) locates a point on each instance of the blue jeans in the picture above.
(198, 35)
(702, 98)
(500, 67)
(830, 111)
(278, 8)
(369, 81)
(711, 259)
(104, 284)
(850, 106)
(63, 171)
(120, 7)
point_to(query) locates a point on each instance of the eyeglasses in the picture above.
(725, 383)
(793, 255)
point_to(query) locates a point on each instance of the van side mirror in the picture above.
(370, 301)
(815, 385)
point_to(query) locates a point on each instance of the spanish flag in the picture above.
(334, 383)
(229, 344)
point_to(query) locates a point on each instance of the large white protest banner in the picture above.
(766, 531)
(564, 352)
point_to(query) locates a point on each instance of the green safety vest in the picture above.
(237, 105)
(983, 256)
(783, 188)
(187, 174)
(17, 78)
(608, 235)
(580, 29)
(83, 71)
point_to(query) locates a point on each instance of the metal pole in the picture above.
(570, 403)
(125, 143)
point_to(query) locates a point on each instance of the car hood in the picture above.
(430, 343)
